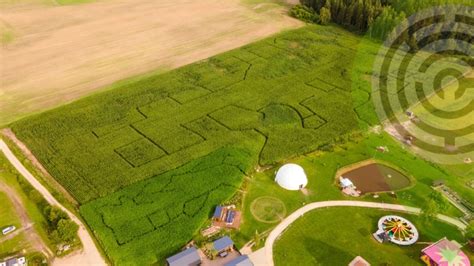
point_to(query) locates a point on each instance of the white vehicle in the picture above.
(8, 229)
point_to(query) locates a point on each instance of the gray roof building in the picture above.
(188, 257)
(223, 243)
(21, 261)
(240, 261)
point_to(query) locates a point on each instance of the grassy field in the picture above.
(150, 159)
(34, 239)
(271, 100)
(321, 168)
(311, 239)
(8, 216)
(285, 95)
(447, 119)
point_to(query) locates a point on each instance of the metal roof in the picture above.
(223, 243)
(217, 212)
(189, 256)
(240, 261)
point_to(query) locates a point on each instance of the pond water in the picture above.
(376, 177)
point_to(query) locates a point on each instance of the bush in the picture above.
(304, 13)
(470, 230)
(65, 232)
(61, 228)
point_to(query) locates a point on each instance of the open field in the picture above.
(447, 118)
(19, 210)
(280, 97)
(49, 58)
(311, 239)
(274, 99)
(321, 169)
(183, 140)
(9, 216)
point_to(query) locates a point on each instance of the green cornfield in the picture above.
(149, 160)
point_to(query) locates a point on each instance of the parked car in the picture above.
(8, 229)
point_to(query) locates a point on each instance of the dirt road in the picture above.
(59, 53)
(89, 255)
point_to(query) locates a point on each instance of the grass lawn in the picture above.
(334, 236)
(150, 159)
(267, 101)
(10, 177)
(448, 116)
(8, 216)
(321, 168)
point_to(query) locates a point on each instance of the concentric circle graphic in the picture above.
(423, 84)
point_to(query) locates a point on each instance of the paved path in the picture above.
(264, 256)
(89, 255)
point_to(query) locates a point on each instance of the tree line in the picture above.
(376, 17)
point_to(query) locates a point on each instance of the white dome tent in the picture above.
(291, 177)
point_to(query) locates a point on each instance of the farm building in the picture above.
(359, 261)
(348, 187)
(291, 177)
(444, 253)
(223, 245)
(226, 216)
(240, 261)
(21, 261)
(188, 257)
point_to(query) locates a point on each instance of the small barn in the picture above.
(223, 244)
(187, 257)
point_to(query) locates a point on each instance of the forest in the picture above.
(377, 18)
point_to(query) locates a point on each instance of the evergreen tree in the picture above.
(324, 16)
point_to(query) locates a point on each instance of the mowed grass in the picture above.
(8, 215)
(335, 236)
(447, 118)
(321, 168)
(285, 96)
(11, 178)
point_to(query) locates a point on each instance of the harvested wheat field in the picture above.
(53, 54)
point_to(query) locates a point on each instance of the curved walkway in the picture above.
(281, 227)
(89, 255)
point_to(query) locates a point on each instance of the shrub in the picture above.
(304, 13)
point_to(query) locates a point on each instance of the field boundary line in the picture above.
(281, 227)
(89, 255)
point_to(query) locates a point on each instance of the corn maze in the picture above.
(149, 160)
